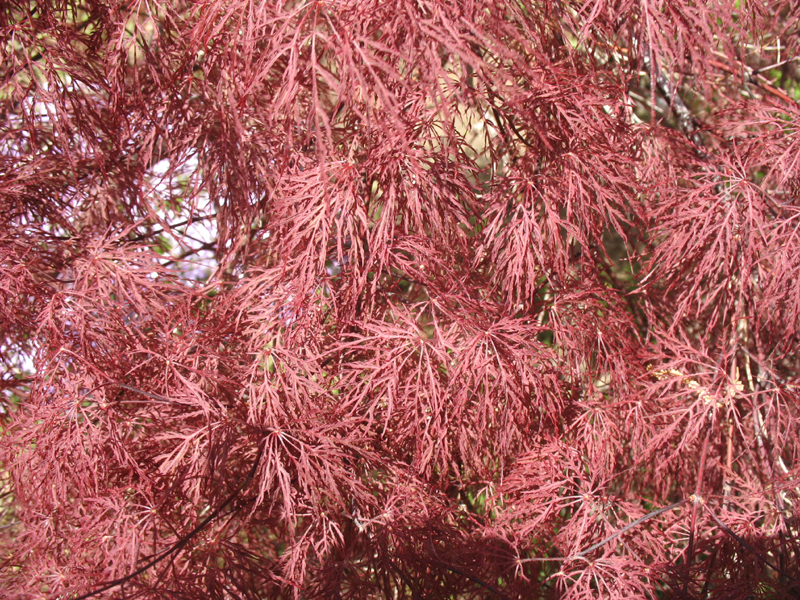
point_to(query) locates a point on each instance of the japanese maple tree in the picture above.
(418, 299)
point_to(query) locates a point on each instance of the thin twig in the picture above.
(185, 539)
(631, 525)
(613, 536)
(746, 545)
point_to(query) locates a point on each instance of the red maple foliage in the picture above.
(418, 299)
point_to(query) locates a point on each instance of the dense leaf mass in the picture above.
(419, 299)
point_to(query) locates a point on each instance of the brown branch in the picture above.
(686, 119)
(755, 78)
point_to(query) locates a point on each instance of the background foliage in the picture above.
(411, 299)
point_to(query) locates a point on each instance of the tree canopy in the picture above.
(420, 299)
